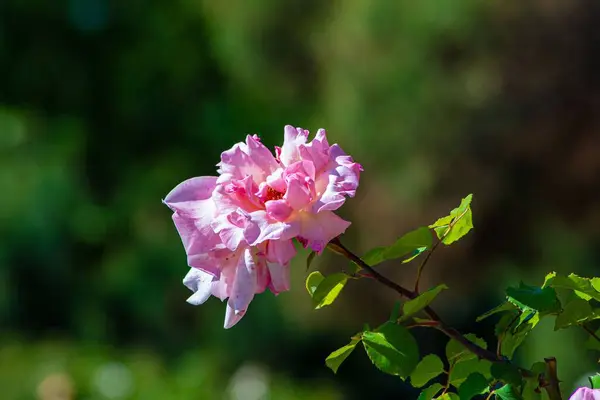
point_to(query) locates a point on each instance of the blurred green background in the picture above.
(106, 105)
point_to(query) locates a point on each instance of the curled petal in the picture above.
(200, 283)
(279, 210)
(280, 277)
(243, 290)
(280, 251)
(585, 393)
(318, 229)
(293, 138)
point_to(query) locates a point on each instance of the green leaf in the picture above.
(410, 245)
(392, 349)
(575, 312)
(531, 389)
(427, 369)
(312, 281)
(335, 359)
(415, 305)
(508, 392)
(583, 287)
(595, 381)
(396, 311)
(538, 367)
(329, 289)
(474, 385)
(506, 373)
(456, 225)
(506, 306)
(449, 396)
(430, 392)
(310, 259)
(542, 299)
(512, 339)
(461, 370)
(455, 351)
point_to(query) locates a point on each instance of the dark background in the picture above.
(106, 105)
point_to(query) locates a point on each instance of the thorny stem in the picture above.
(552, 387)
(337, 246)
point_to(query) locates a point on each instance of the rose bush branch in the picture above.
(240, 230)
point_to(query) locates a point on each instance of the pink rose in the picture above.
(237, 229)
(585, 393)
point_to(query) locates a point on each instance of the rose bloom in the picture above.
(586, 393)
(237, 228)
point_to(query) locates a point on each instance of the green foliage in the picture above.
(577, 311)
(508, 392)
(310, 259)
(392, 349)
(592, 343)
(474, 385)
(507, 373)
(417, 304)
(428, 368)
(583, 287)
(595, 381)
(324, 290)
(455, 351)
(541, 299)
(430, 392)
(336, 358)
(506, 306)
(408, 247)
(456, 225)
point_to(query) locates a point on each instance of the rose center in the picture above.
(273, 194)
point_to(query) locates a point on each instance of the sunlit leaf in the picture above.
(455, 351)
(329, 289)
(392, 349)
(474, 385)
(583, 287)
(531, 389)
(506, 306)
(449, 396)
(335, 359)
(430, 392)
(427, 369)
(312, 281)
(542, 299)
(415, 305)
(457, 224)
(508, 392)
(408, 246)
(461, 370)
(595, 381)
(575, 312)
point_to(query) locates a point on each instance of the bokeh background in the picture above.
(106, 105)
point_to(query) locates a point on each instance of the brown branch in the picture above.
(337, 246)
(591, 332)
(552, 387)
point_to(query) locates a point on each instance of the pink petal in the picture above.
(280, 251)
(244, 288)
(293, 137)
(297, 195)
(318, 229)
(280, 277)
(200, 283)
(196, 234)
(586, 393)
(279, 210)
(261, 156)
(193, 189)
(271, 229)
